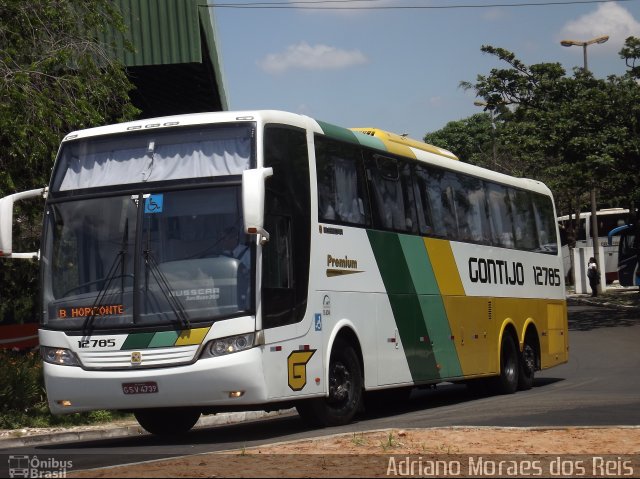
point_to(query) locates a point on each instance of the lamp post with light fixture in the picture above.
(594, 208)
(584, 45)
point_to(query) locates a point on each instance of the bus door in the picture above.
(627, 257)
(627, 254)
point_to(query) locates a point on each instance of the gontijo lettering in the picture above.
(495, 271)
(84, 311)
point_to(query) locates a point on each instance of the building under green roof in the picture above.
(175, 66)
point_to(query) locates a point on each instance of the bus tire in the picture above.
(507, 381)
(345, 391)
(527, 370)
(167, 421)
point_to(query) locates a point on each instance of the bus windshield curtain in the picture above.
(147, 159)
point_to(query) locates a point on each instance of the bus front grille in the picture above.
(137, 359)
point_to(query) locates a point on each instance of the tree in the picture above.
(55, 76)
(630, 53)
(470, 138)
(583, 130)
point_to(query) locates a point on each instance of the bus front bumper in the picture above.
(236, 379)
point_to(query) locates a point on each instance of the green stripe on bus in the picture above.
(164, 339)
(444, 349)
(434, 314)
(137, 341)
(338, 132)
(370, 141)
(391, 262)
(405, 304)
(422, 275)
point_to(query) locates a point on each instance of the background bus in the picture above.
(262, 259)
(628, 252)
(607, 220)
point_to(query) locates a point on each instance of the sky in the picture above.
(400, 69)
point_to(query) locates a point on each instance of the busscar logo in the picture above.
(339, 266)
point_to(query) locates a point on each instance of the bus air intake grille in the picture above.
(139, 359)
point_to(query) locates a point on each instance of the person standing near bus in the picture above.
(594, 276)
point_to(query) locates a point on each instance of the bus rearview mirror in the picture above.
(253, 193)
(6, 223)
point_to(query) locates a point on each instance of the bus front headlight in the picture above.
(229, 345)
(60, 356)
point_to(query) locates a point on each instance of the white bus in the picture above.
(262, 259)
(608, 219)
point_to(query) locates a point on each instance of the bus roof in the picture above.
(370, 137)
(604, 211)
(393, 141)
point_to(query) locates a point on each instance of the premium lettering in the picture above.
(341, 262)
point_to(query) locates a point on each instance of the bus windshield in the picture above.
(172, 257)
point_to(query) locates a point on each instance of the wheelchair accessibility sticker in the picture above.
(154, 203)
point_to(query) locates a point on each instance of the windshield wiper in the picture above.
(162, 281)
(108, 279)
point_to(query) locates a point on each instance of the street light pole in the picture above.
(584, 45)
(594, 207)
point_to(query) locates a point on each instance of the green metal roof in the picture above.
(174, 41)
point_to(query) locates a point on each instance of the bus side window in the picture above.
(341, 190)
(479, 225)
(501, 217)
(428, 198)
(545, 224)
(471, 211)
(526, 236)
(390, 184)
(277, 263)
(449, 208)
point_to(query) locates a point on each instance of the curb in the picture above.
(108, 432)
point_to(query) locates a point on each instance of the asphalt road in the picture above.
(599, 386)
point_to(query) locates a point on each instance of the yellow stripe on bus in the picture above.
(190, 337)
(444, 267)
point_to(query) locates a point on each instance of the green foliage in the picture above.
(574, 132)
(56, 77)
(20, 382)
(23, 401)
(470, 139)
(631, 54)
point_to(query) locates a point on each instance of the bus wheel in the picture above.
(345, 390)
(507, 382)
(527, 370)
(167, 421)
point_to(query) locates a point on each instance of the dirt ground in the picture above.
(439, 452)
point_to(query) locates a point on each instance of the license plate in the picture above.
(140, 388)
